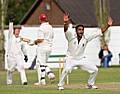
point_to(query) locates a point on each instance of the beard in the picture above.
(80, 35)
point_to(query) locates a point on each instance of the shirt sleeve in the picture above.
(10, 33)
(40, 34)
(70, 33)
(94, 35)
(23, 48)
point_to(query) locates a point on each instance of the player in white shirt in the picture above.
(15, 55)
(77, 42)
(44, 42)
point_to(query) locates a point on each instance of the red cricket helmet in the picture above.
(42, 17)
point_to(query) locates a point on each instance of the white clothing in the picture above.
(46, 32)
(15, 57)
(44, 49)
(105, 52)
(75, 55)
(84, 65)
(76, 50)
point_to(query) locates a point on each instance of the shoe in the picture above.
(60, 88)
(37, 84)
(43, 82)
(91, 87)
(25, 83)
(9, 82)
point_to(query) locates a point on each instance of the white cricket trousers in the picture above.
(14, 62)
(84, 65)
(41, 64)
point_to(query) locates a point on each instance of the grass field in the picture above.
(108, 81)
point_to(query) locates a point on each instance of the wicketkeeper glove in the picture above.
(25, 58)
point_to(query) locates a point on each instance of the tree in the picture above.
(102, 14)
(7, 8)
(3, 9)
(19, 8)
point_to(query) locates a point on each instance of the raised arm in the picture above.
(109, 23)
(98, 33)
(66, 21)
(10, 34)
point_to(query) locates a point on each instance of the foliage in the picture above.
(18, 8)
(3, 8)
(102, 14)
(102, 11)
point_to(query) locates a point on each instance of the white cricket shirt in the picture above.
(76, 50)
(14, 46)
(46, 32)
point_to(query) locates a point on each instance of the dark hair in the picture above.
(79, 26)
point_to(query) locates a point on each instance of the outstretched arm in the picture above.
(96, 34)
(110, 21)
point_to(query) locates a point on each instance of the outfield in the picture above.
(108, 81)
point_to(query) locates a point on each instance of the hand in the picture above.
(110, 21)
(66, 17)
(25, 58)
(11, 17)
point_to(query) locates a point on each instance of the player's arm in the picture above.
(25, 40)
(40, 38)
(66, 21)
(29, 41)
(37, 41)
(98, 33)
(10, 34)
(109, 23)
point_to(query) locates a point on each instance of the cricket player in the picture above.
(44, 42)
(77, 42)
(15, 55)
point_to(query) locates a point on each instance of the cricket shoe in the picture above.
(37, 84)
(40, 83)
(60, 88)
(25, 83)
(91, 87)
(43, 82)
(9, 82)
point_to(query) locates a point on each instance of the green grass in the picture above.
(108, 80)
